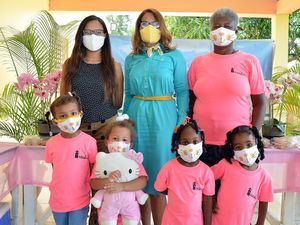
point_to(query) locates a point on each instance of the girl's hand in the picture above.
(214, 204)
(113, 187)
(114, 176)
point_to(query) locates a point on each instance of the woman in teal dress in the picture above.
(156, 98)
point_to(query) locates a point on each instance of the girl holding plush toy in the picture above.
(188, 182)
(119, 176)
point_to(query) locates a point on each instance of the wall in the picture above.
(17, 13)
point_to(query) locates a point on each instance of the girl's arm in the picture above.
(207, 209)
(262, 212)
(134, 185)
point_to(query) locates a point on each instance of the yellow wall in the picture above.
(17, 13)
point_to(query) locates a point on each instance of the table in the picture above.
(25, 166)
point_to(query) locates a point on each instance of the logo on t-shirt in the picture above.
(237, 72)
(78, 156)
(251, 194)
(196, 186)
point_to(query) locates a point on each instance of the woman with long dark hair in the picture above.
(95, 76)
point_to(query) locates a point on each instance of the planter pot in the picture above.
(273, 130)
(47, 130)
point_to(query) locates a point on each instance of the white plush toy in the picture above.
(123, 203)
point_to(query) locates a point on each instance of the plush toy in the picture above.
(120, 203)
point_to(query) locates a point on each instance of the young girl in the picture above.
(71, 153)
(119, 138)
(243, 181)
(186, 180)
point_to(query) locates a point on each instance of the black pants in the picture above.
(211, 156)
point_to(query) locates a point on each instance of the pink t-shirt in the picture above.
(240, 190)
(71, 159)
(223, 85)
(185, 188)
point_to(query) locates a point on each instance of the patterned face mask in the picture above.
(118, 146)
(247, 156)
(190, 153)
(70, 124)
(222, 36)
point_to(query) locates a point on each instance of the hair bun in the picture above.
(122, 117)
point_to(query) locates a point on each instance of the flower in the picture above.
(275, 93)
(44, 89)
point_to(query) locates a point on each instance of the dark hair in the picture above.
(129, 124)
(165, 39)
(65, 99)
(107, 63)
(251, 130)
(177, 133)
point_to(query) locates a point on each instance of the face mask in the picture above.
(70, 124)
(93, 42)
(222, 36)
(118, 146)
(150, 34)
(247, 156)
(190, 153)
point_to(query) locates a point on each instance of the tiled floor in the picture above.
(44, 196)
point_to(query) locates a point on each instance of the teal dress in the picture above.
(158, 75)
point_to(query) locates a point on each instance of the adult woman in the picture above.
(154, 72)
(227, 85)
(96, 78)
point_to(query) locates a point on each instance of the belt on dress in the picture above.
(153, 98)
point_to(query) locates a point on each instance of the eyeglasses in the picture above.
(98, 32)
(144, 24)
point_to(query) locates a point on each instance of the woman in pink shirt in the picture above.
(71, 153)
(187, 181)
(243, 181)
(226, 86)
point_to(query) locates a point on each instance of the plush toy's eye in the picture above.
(105, 172)
(130, 171)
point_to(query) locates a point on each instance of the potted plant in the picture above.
(283, 93)
(35, 55)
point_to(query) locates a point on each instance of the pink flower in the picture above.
(42, 94)
(24, 80)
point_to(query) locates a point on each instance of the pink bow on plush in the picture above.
(137, 157)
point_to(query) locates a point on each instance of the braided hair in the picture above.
(178, 131)
(251, 130)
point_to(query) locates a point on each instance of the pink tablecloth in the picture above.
(284, 168)
(21, 165)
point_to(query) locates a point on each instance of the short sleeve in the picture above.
(48, 153)
(209, 184)
(142, 172)
(192, 75)
(256, 78)
(92, 151)
(219, 169)
(162, 179)
(266, 189)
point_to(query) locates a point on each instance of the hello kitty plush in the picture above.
(120, 203)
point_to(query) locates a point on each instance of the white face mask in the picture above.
(69, 125)
(222, 36)
(190, 153)
(247, 156)
(93, 42)
(118, 146)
